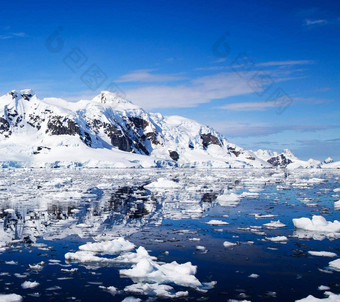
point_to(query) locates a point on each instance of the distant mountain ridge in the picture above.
(109, 131)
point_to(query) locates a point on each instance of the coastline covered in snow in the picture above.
(111, 132)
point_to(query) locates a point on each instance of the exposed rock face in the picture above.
(174, 155)
(279, 161)
(4, 126)
(118, 139)
(58, 125)
(139, 123)
(234, 151)
(152, 137)
(209, 139)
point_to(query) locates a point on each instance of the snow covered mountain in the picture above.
(286, 159)
(109, 131)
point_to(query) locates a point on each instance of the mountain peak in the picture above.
(115, 100)
(25, 94)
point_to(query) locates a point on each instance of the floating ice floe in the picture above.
(29, 284)
(110, 289)
(250, 195)
(10, 298)
(322, 254)
(274, 225)
(331, 298)
(228, 244)
(324, 287)
(228, 200)
(12, 262)
(148, 270)
(141, 253)
(131, 299)
(257, 215)
(317, 223)
(337, 205)
(162, 183)
(217, 222)
(86, 257)
(108, 247)
(254, 276)
(200, 247)
(71, 270)
(335, 265)
(277, 239)
(155, 289)
(336, 190)
(145, 268)
(37, 267)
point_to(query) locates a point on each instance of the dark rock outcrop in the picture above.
(279, 161)
(58, 125)
(174, 155)
(139, 123)
(118, 139)
(234, 151)
(4, 126)
(209, 139)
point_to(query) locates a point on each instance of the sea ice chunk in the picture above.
(108, 247)
(217, 222)
(155, 289)
(228, 200)
(86, 257)
(277, 239)
(228, 244)
(317, 223)
(29, 284)
(148, 270)
(331, 298)
(10, 298)
(162, 183)
(131, 299)
(274, 225)
(322, 254)
(141, 253)
(335, 264)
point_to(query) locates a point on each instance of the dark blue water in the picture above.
(116, 203)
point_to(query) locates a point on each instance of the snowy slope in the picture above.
(109, 131)
(286, 159)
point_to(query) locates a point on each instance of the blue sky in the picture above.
(263, 73)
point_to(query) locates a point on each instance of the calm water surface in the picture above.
(46, 213)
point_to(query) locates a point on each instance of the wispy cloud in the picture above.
(285, 63)
(197, 91)
(211, 68)
(244, 129)
(310, 22)
(251, 106)
(262, 106)
(146, 75)
(13, 35)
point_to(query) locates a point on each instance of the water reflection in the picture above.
(56, 204)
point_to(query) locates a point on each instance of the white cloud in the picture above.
(12, 35)
(284, 63)
(197, 91)
(145, 75)
(310, 22)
